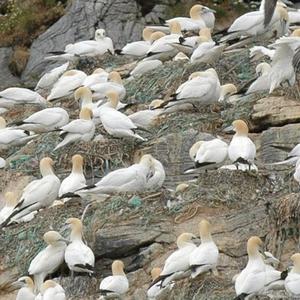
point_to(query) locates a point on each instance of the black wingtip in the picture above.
(284, 274)
(118, 52)
(69, 195)
(181, 40)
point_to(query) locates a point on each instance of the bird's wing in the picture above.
(195, 89)
(117, 120)
(247, 21)
(79, 254)
(269, 9)
(47, 117)
(9, 135)
(78, 126)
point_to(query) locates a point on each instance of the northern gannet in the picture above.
(10, 137)
(49, 259)
(114, 122)
(78, 256)
(156, 290)
(178, 262)
(51, 290)
(75, 180)
(98, 76)
(39, 193)
(82, 129)
(19, 96)
(241, 149)
(47, 81)
(99, 46)
(139, 48)
(117, 284)
(26, 292)
(11, 201)
(67, 84)
(227, 90)
(205, 153)
(145, 66)
(114, 82)
(157, 177)
(292, 281)
(131, 179)
(46, 120)
(205, 256)
(262, 83)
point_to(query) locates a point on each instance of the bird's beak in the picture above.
(207, 10)
(229, 129)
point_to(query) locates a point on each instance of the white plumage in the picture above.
(67, 84)
(292, 281)
(78, 256)
(131, 179)
(114, 122)
(205, 256)
(17, 96)
(39, 193)
(45, 120)
(99, 76)
(49, 259)
(241, 149)
(76, 179)
(49, 79)
(158, 175)
(82, 129)
(145, 66)
(51, 290)
(262, 83)
(26, 292)
(117, 283)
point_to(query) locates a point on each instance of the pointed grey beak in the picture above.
(207, 10)
(229, 129)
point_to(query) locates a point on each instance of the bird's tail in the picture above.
(38, 281)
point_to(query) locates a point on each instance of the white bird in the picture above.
(47, 81)
(162, 48)
(157, 177)
(139, 48)
(99, 46)
(202, 88)
(227, 93)
(98, 76)
(67, 84)
(206, 50)
(75, 180)
(145, 66)
(78, 256)
(51, 290)
(114, 82)
(82, 129)
(241, 149)
(178, 262)
(85, 98)
(10, 137)
(114, 122)
(46, 120)
(252, 23)
(19, 96)
(117, 284)
(292, 281)
(49, 259)
(257, 277)
(262, 83)
(10, 202)
(2, 163)
(26, 292)
(156, 291)
(211, 152)
(200, 17)
(205, 256)
(180, 57)
(294, 16)
(38, 193)
(131, 179)
(282, 68)
(146, 118)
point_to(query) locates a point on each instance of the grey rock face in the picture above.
(123, 20)
(6, 78)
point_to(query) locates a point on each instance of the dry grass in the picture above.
(23, 21)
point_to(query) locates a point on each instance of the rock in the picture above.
(18, 60)
(123, 20)
(6, 77)
(276, 142)
(275, 111)
(124, 240)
